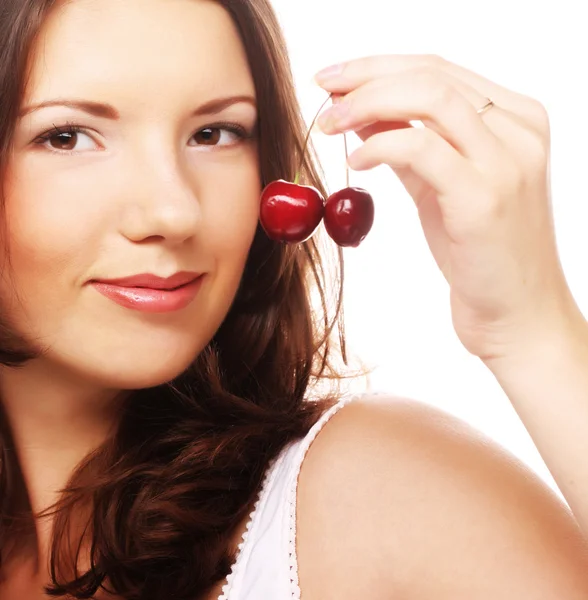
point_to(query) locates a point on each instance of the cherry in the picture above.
(349, 216)
(290, 212)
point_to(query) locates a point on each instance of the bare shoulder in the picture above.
(397, 499)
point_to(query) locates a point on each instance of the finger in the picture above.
(422, 151)
(515, 134)
(365, 132)
(361, 70)
(529, 111)
(416, 96)
(499, 119)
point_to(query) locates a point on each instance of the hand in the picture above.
(480, 183)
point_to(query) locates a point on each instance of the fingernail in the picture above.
(335, 115)
(329, 72)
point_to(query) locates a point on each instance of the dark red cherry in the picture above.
(290, 212)
(349, 216)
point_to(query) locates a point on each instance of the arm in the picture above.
(481, 184)
(400, 500)
(547, 383)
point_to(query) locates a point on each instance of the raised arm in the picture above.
(479, 175)
(547, 382)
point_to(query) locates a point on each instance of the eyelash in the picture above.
(72, 128)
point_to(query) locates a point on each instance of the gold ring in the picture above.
(486, 106)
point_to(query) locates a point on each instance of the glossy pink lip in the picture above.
(147, 280)
(150, 293)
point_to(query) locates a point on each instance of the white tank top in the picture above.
(266, 566)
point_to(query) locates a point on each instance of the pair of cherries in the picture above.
(290, 212)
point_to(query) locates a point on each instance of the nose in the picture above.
(160, 204)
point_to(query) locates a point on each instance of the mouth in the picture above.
(151, 293)
(154, 282)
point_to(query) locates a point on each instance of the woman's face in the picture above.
(155, 184)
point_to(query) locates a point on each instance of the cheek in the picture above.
(51, 231)
(234, 211)
(232, 214)
(54, 206)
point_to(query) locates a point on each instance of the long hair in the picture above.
(158, 502)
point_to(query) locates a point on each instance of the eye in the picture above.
(211, 136)
(74, 138)
(65, 138)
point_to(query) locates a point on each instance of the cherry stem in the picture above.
(297, 178)
(346, 157)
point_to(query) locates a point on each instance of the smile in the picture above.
(148, 299)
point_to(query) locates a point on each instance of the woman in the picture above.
(162, 435)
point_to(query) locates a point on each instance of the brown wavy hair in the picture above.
(163, 496)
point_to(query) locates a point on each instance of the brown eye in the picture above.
(64, 141)
(221, 135)
(209, 136)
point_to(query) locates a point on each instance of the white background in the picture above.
(397, 303)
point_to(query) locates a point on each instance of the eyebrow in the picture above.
(108, 111)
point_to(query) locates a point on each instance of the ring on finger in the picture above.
(486, 106)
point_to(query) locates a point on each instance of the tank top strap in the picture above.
(266, 564)
(296, 458)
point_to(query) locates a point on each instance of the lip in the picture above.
(147, 280)
(151, 293)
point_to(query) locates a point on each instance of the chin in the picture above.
(137, 374)
(131, 369)
(141, 380)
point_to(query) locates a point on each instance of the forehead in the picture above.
(155, 47)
